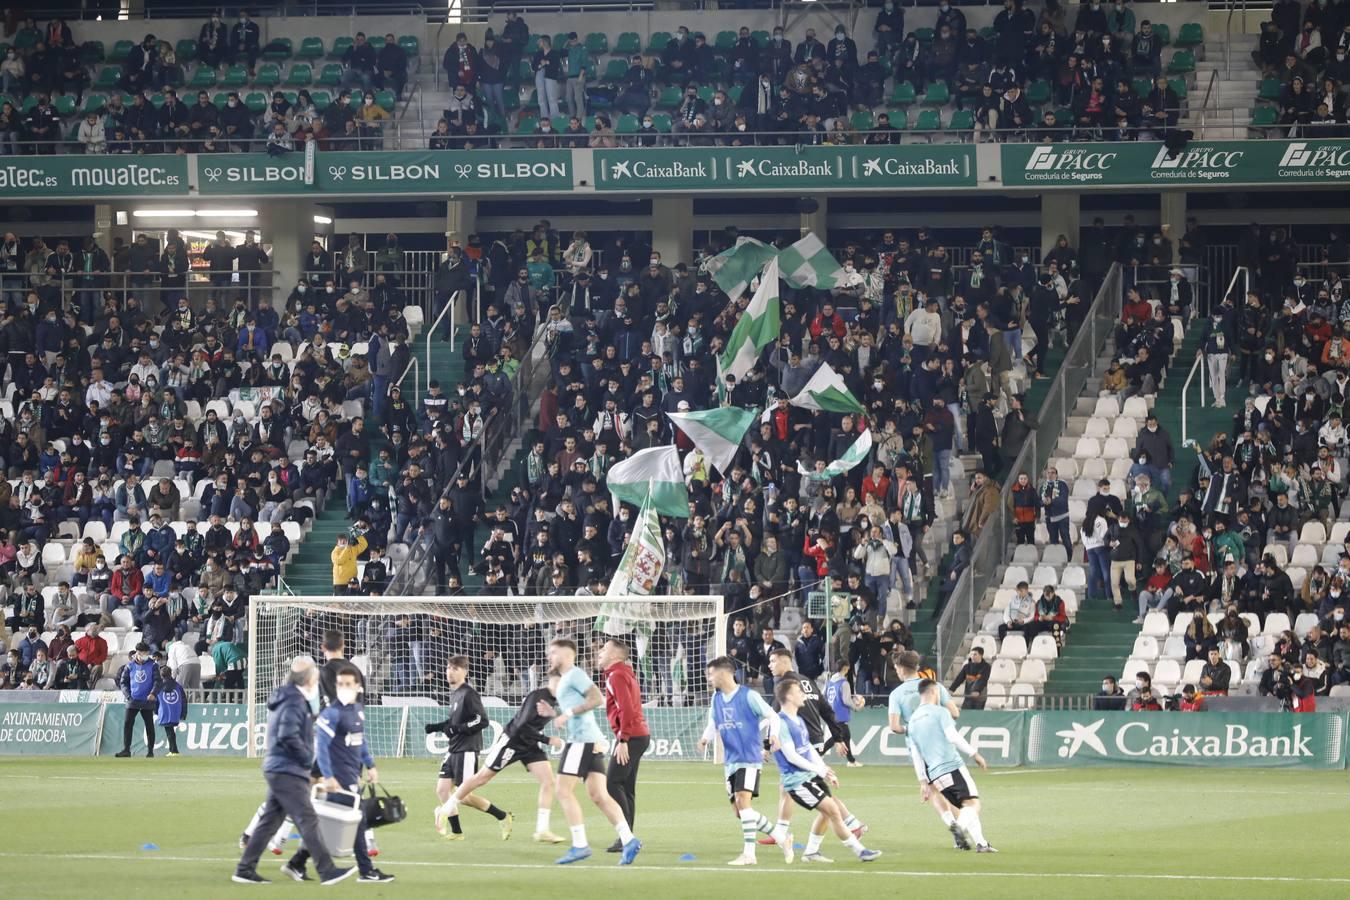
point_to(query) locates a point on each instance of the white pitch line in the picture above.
(151, 856)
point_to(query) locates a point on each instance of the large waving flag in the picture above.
(827, 392)
(758, 326)
(653, 475)
(808, 264)
(717, 432)
(644, 559)
(734, 269)
(856, 453)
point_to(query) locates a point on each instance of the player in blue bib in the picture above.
(735, 717)
(806, 778)
(933, 746)
(583, 754)
(904, 700)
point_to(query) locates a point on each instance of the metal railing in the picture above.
(989, 549)
(1198, 367)
(503, 426)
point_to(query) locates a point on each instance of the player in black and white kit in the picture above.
(464, 728)
(821, 728)
(520, 743)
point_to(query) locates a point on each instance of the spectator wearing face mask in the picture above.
(140, 684)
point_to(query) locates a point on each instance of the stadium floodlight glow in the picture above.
(322, 220)
(226, 213)
(164, 213)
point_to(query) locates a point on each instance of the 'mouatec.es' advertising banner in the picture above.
(44, 177)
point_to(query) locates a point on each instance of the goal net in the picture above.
(401, 645)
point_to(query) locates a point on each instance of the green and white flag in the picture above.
(734, 269)
(827, 392)
(644, 559)
(757, 327)
(717, 432)
(655, 474)
(856, 453)
(808, 264)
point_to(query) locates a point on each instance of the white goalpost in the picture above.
(401, 644)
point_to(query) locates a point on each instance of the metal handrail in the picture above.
(414, 367)
(1200, 355)
(989, 548)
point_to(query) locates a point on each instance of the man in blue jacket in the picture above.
(140, 683)
(290, 755)
(342, 753)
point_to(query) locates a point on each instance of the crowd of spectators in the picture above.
(155, 102)
(1302, 51)
(1098, 72)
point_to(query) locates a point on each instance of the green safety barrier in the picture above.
(1200, 163)
(789, 168)
(33, 177)
(1005, 738)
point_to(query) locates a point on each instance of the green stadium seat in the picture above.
(559, 123)
(524, 72)
(157, 100)
(291, 97)
(28, 103)
(734, 94)
(65, 105)
(235, 77)
(1271, 89)
(310, 48)
(300, 75)
(988, 33)
(661, 122)
(526, 124)
(331, 75)
(376, 41)
(925, 35)
(628, 44)
(658, 41)
(1038, 93)
(1063, 115)
(109, 77)
(761, 38)
(669, 98)
(269, 75)
(27, 39)
(278, 49)
(202, 77)
(1179, 86)
(120, 51)
(627, 124)
(511, 100)
(725, 41)
(186, 51)
(1163, 31)
(597, 42)
(615, 69)
(385, 99)
(929, 120)
(961, 120)
(861, 120)
(903, 94)
(412, 47)
(1192, 34)
(705, 94)
(91, 53)
(322, 100)
(1182, 63)
(1142, 86)
(256, 101)
(937, 95)
(533, 44)
(1265, 116)
(94, 103)
(340, 46)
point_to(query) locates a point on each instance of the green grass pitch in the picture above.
(75, 828)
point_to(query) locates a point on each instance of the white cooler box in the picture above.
(339, 815)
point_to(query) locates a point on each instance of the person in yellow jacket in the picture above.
(344, 561)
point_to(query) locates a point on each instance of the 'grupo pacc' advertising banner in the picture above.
(1200, 163)
(45, 177)
(791, 168)
(386, 172)
(1261, 740)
